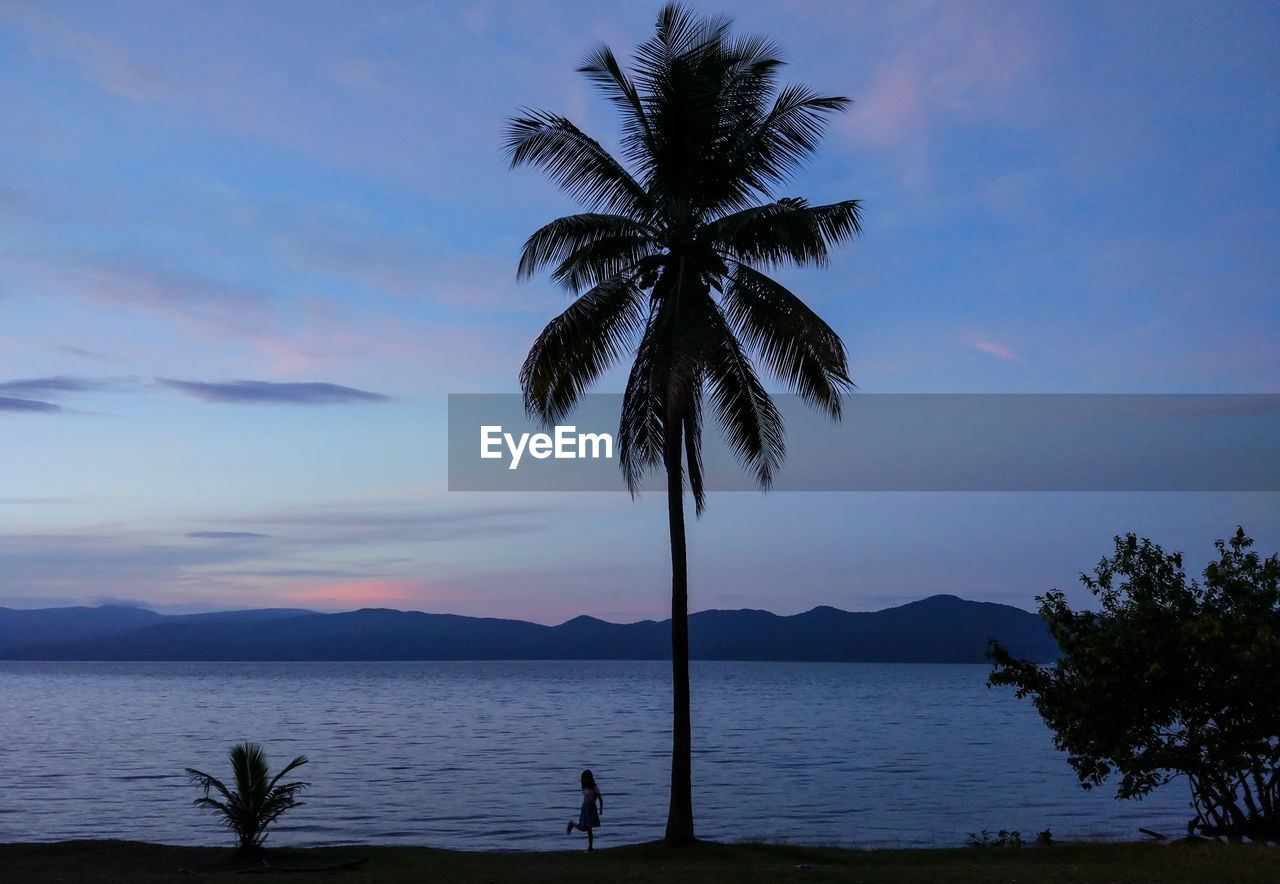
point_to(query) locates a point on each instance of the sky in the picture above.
(247, 251)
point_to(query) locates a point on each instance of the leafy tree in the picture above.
(256, 801)
(1170, 678)
(664, 263)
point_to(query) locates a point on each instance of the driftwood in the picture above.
(1155, 835)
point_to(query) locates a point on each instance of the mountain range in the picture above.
(938, 629)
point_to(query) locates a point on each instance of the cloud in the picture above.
(343, 557)
(28, 406)
(1000, 351)
(893, 110)
(329, 527)
(115, 563)
(225, 535)
(239, 391)
(271, 393)
(366, 593)
(294, 336)
(945, 65)
(121, 602)
(346, 243)
(276, 573)
(27, 388)
(104, 63)
(85, 354)
(212, 310)
(52, 386)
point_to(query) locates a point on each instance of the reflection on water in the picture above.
(484, 755)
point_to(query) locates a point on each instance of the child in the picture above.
(588, 817)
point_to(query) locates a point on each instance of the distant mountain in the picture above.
(56, 625)
(939, 629)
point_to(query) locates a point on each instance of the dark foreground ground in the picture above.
(705, 863)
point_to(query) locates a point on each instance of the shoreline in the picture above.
(705, 862)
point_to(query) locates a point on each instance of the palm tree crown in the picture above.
(666, 264)
(707, 134)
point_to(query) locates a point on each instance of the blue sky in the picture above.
(201, 202)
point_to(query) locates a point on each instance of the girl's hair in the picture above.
(588, 780)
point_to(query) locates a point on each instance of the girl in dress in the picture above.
(588, 817)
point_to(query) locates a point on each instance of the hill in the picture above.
(939, 629)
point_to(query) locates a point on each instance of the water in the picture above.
(486, 755)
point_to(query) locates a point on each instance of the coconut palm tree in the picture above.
(256, 801)
(665, 264)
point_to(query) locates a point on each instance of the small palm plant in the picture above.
(256, 801)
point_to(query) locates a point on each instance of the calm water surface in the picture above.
(486, 755)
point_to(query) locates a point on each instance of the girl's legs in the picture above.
(590, 839)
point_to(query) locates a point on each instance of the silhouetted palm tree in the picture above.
(256, 801)
(666, 255)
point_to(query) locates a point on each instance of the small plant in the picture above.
(1003, 838)
(1044, 839)
(256, 800)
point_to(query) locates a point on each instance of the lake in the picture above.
(486, 755)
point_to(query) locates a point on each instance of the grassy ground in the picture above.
(705, 863)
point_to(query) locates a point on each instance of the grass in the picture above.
(705, 863)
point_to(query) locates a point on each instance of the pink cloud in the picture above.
(374, 591)
(953, 64)
(1000, 351)
(892, 111)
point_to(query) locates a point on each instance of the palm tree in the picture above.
(256, 801)
(664, 260)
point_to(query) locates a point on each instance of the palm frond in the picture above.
(641, 428)
(554, 242)
(679, 35)
(221, 806)
(664, 389)
(602, 69)
(750, 66)
(297, 762)
(789, 231)
(575, 161)
(678, 71)
(578, 345)
(750, 419)
(693, 451)
(788, 134)
(793, 341)
(205, 781)
(599, 261)
(249, 764)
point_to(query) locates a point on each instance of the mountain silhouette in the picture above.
(939, 629)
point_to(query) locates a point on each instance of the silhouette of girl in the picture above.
(588, 817)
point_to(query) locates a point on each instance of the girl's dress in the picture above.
(588, 818)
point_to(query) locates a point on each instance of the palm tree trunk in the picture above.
(680, 814)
